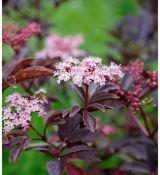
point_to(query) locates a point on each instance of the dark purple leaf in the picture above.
(74, 111)
(66, 130)
(84, 135)
(15, 152)
(5, 139)
(92, 89)
(11, 80)
(65, 113)
(17, 132)
(42, 147)
(87, 155)
(79, 91)
(33, 72)
(136, 167)
(25, 142)
(102, 96)
(38, 146)
(89, 121)
(129, 140)
(15, 66)
(137, 150)
(29, 73)
(92, 137)
(127, 82)
(108, 87)
(54, 118)
(10, 69)
(77, 148)
(96, 106)
(56, 167)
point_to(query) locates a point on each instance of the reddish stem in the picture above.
(145, 120)
(135, 119)
(35, 130)
(86, 98)
(154, 131)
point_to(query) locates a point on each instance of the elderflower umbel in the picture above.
(19, 110)
(57, 46)
(90, 70)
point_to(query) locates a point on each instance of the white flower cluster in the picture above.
(90, 70)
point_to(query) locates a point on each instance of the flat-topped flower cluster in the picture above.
(57, 46)
(89, 70)
(19, 110)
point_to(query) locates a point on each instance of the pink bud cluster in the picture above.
(16, 37)
(131, 98)
(89, 70)
(57, 46)
(152, 80)
(19, 110)
(135, 70)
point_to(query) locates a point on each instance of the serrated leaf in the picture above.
(87, 155)
(54, 118)
(77, 148)
(96, 106)
(56, 167)
(79, 91)
(15, 66)
(5, 139)
(74, 111)
(107, 87)
(84, 135)
(89, 121)
(66, 130)
(10, 69)
(15, 152)
(65, 113)
(29, 73)
(136, 167)
(102, 96)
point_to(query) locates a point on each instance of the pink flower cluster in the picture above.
(90, 70)
(19, 110)
(16, 37)
(57, 46)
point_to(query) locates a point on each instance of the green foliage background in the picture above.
(95, 19)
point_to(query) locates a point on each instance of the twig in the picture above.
(145, 120)
(86, 98)
(134, 117)
(35, 130)
(154, 131)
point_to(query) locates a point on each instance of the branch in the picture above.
(135, 119)
(145, 120)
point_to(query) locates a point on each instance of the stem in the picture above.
(147, 92)
(134, 117)
(145, 120)
(44, 133)
(86, 99)
(154, 131)
(35, 130)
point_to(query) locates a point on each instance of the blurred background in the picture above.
(119, 30)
